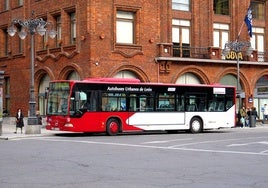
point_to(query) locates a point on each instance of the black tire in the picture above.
(196, 125)
(112, 127)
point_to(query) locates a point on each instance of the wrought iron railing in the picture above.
(191, 52)
(186, 51)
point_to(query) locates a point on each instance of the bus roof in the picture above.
(137, 81)
(115, 80)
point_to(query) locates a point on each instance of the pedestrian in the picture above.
(39, 118)
(254, 116)
(19, 120)
(5, 112)
(265, 113)
(243, 116)
(248, 117)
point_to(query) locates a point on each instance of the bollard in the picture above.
(252, 121)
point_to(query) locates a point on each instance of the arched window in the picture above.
(188, 78)
(73, 76)
(125, 74)
(229, 79)
(42, 90)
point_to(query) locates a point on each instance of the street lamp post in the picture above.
(237, 47)
(31, 26)
(1, 100)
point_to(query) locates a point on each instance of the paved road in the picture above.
(222, 158)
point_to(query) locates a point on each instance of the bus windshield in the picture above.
(58, 98)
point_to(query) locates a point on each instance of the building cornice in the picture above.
(181, 59)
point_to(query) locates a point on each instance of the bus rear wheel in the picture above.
(196, 125)
(112, 127)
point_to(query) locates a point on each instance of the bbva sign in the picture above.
(233, 56)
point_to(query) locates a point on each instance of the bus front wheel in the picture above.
(112, 127)
(196, 125)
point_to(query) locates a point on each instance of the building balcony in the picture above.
(214, 53)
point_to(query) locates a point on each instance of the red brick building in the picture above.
(156, 41)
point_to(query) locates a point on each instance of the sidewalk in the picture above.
(8, 129)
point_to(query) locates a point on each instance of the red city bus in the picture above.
(115, 105)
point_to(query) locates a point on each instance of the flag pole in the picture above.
(248, 21)
(242, 25)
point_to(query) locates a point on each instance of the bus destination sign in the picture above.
(130, 89)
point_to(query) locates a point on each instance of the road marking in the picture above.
(215, 141)
(264, 142)
(235, 145)
(165, 141)
(250, 143)
(223, 151)
(263, 153)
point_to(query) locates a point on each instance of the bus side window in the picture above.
(86, 105)
(143, 104)
(202, 106)
(196, 102)
(220, 107)
(90, 104)
(133, 103)
(165, 102)
(107, 107)
(212, 106)
(229, 104)
(123, 105)
(192, 107)
(146, 103)
(180, 103)
(113, 102)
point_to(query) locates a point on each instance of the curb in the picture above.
(3, 138)
(11, 136)
(7, 133)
